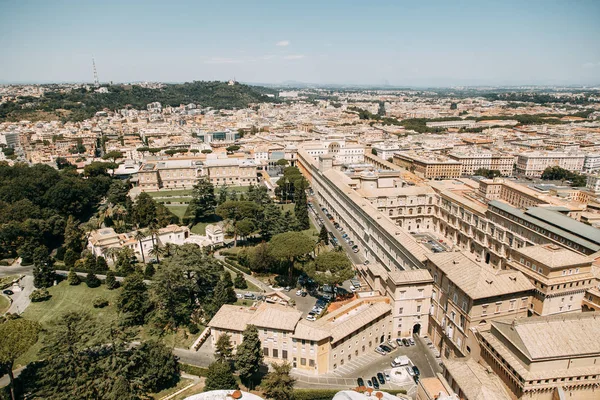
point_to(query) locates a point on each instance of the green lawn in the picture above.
(174, 200)
(312, 232)
(69, 298)
(200, 228)
(178, 210)
(4, 304)
(80, 298)
(183, 382)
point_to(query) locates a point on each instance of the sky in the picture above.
(401, 43)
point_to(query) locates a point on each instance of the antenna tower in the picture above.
(96, 81)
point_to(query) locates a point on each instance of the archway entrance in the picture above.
(416, 329)
(382, 339)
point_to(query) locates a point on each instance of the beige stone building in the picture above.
(561, 277)
(546, 358)
(474, 381)
(437, 167)
(534, 163)
(467, 294)
(318, 347)
(471, 161)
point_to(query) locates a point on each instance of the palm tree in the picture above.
(153, 232)
(110, 252)
(139, 236)
(156, 252)
(169, 249)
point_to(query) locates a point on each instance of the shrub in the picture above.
(111, 281)
(100, 302)
(39, 295)
(193, 328)
(92, 280)
(73, 278)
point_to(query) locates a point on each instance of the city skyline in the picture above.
(396, 44)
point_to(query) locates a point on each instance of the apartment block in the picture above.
(435, 167)
(474, 160)
(534, 163)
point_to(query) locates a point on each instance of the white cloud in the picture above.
(294, 57)
(283, 43)
(591, 65)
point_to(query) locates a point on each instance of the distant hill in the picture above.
(81, 104)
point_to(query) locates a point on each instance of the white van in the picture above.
(401, 361)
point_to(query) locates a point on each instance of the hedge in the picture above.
(192, 369)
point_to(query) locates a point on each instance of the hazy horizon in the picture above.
(400, 44)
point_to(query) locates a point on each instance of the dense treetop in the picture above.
(82, 103)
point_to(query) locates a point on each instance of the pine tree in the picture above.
(203, 201)
(278, 384)
(149, 271)
(133, 300)
(111, 281)
(73, 235)
(249, 355)
(43, 268)
(220, 377)
(224, 349)
(301, 206)
(73, 278)
(89, 263)
(240, 281)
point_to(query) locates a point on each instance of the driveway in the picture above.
(16, 269)
(20, 300)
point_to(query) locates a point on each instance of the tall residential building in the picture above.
(473, 160)
(534, 163)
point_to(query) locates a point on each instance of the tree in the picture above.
(149, 271)
(224, 349)
(223, 294)
(240, 281)
(232, 148)
(282, 162)
(490, 174)
(113, 155)
(222, 194)
(73, 235)
(140, 235)
(123, 264)
(291, 247)
(133, 300)
(63, 163)
(101, 264)
(73, 278)
(249, 355)
(18, 335)
(144, 210)
(155, 366)
(331, 268)
(92, 280)
(301, 206)
(235, 211)
(156, 251)
(323, 235)
(220, 377)
(278, 384)
(43, 268)
(260, 258)
(89, 262)
(203, 203)
(374, 152)
(111, 281)
(453, 106)
(270, 221)
(245, 227)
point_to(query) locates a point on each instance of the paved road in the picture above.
(16, 269)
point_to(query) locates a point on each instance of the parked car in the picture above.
(311, 317)
(375, 383)
(299, 292)
(411, 341)
(367, 262)
(250, 296)
(303, 294)
(386, 348)
(399, 341)
(391, 343)
(380, 351)
(238, 295)
(410, 371)
(416, 370)
(356, 250)
(288, 288)
(352, 289)
(369, 384)
(387, 376)
(381, 378)
(360, 382)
